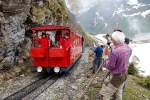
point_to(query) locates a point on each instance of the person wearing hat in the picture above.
(44, 41)
(117, 64)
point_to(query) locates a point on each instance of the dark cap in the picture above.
(127, 40)
(119, 30)
(43, 33)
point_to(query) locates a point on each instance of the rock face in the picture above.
(16, 18)
(49, 12)
(12, 16)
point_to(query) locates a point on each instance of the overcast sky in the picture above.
(84, 5)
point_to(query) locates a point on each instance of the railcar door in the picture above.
(39, 50)
(58, 53)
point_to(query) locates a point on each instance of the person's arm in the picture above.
(111, 62)
(95, 50)
(130, 52)
(102, 52)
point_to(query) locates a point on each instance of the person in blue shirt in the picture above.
(98, 57)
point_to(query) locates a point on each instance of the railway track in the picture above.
(39, 86)
(41, 89)
(31, 87)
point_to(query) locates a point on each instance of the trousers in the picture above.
(114, 88)
(96, 63)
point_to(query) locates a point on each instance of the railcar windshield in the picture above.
(48, 38)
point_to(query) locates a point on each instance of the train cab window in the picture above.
(1, 34)
(44, 41)
(77, 40)
(65, 41)
(40, 39)
(35, 39)
(51, 36)
(58, 35)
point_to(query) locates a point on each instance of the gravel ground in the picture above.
(13, 85)
(71, 87)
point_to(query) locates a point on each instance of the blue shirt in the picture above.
(98, 51)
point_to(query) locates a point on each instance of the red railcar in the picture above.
(55, 47)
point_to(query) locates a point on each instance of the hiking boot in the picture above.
(91, 68)
(99, 97)
(93, 71)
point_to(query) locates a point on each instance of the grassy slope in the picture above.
(133, 91)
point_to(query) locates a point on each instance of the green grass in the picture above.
(134, 91)
(143, 81)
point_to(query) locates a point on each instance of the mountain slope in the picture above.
(106, 15)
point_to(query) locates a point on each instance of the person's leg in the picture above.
(99, 64)
(107, 91)
(118, 94)
(94, 65)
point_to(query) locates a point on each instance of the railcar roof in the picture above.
(50, 27)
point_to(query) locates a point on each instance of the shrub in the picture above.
(143, 81)
(132, 69)
(147, 82)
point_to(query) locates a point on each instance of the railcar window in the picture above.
(1, 34)
(63, 33)
(39, 34)
(52, 38)
(58, 35)
(34, 40)
(75, 42)
(78, 40)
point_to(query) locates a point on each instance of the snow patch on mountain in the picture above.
(141, 51)
(132, 2)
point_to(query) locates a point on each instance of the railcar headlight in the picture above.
(39, 69)
(56, 69)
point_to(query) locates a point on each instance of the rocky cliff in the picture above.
(16, 19)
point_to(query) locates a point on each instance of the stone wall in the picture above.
(16, 19)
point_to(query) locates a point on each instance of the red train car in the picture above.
(55, 47)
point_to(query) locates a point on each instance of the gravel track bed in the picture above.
(13, 85)
(71, 86)
(68, 87)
